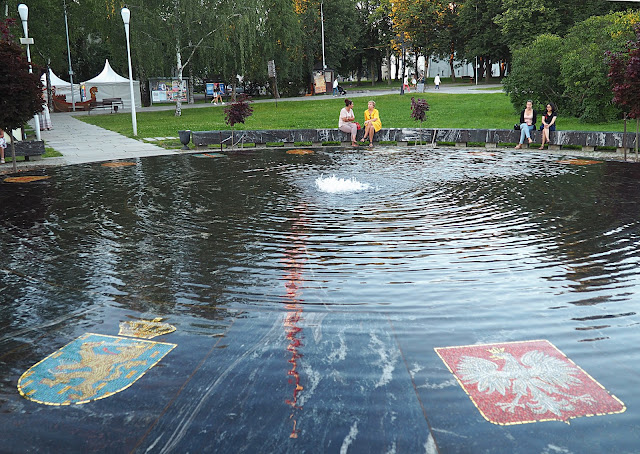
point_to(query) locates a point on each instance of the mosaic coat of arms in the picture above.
(522, 382)
(91, 367)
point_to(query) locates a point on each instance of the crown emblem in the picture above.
(496, 350)
(145, 329)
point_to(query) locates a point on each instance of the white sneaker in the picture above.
(215, 103)
(1, 161)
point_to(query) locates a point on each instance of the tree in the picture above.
(21, 92)
(535, 73)
(480, 35)
(572, 71)
(624, 76)
(583, 69)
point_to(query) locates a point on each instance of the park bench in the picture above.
(31, 150)
(491, 138)
(107, 103)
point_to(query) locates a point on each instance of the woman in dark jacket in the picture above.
(528, 118)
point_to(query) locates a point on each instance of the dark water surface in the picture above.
(306, 320)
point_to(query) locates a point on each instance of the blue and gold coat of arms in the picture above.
(91, 367)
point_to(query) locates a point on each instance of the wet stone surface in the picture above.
(307, 319)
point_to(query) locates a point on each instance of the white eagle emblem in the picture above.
(537, 380)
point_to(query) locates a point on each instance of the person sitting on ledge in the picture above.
(347, 121)
(372, 123)
(528, 118)
(548, 123)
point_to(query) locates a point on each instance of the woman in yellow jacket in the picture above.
(372, 123)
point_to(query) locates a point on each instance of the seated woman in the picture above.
(372, 123)
(528, 118)
(548, 123)
(347, 121)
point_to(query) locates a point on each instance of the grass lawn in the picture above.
(481, 111)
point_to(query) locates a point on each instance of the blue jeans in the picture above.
(525, 131)
(335, 91)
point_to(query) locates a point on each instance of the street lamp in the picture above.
(324, 66)
(66, 27)
(23, 10)
(126, 17)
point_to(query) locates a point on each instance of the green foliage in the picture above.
(446, 111)
(535, 73)
(571, 72)
(20, 92)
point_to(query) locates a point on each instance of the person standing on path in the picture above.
(3, 145)
(335, 87)
(436, 81)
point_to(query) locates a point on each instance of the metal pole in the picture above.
(24, 15)
(324, 66)
(126, 15)
(66, 26)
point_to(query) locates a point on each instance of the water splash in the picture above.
(336, 185)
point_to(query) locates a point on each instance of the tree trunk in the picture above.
(487, 75)
(179, 73)
(372, 70)
(451, 60)
(13, 151)
(388, 66)
(145, 96)
(190, 96)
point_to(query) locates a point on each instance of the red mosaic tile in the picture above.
(529, 381)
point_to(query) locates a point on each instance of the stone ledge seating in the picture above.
(589, 141)
(107, 103)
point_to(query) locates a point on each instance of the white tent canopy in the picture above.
(62, 87)
(112, 85)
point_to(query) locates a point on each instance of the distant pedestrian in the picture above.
(3, 145)
(436, 81)
(45, 117)
(335, 87)
(405, 83)
(414, 82)
(216, 95)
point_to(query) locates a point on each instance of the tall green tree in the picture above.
(479, 33)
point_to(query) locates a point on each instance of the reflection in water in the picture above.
(293, 262)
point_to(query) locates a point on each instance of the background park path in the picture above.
(80, 142)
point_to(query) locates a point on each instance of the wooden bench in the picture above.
(107, 103)
(31, 149)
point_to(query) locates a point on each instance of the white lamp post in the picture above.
(66, 27)
(126, 17)
(324, 66)
(23, 10)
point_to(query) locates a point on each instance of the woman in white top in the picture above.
(347, 122)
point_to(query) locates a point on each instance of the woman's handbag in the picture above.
(516, 127)
(358, 125)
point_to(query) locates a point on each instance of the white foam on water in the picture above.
(334, 185)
